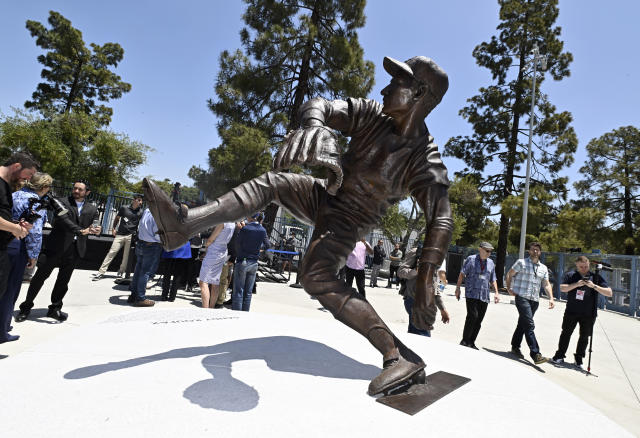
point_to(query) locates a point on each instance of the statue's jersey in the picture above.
(381, 168)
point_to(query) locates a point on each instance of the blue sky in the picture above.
(171, 60)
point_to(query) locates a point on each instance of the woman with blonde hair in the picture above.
(23, 252)
(214, 260)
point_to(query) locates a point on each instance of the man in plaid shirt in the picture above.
(524, 280)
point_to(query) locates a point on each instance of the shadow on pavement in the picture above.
(38, 315)
(509, 355)
(226, 393)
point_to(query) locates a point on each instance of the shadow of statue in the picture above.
(226, 393)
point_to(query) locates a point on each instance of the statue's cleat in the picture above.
(401, 372)
(169, 218)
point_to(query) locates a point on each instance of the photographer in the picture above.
(582, 288)
(408, 273)
(28, 205)
(65, 245)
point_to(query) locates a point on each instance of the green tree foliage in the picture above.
(540, 215)
(612, 181)
(71, 146)
(399, 224)
(394, 223)
(187, 194)
(468, 203)
(495, 151)
(291, 51)
(243, 154)
(582, 228)
(75, 76)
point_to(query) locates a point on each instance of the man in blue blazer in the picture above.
(65, 245)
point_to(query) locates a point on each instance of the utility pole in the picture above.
(525, 206)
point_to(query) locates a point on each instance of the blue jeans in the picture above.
(408, 305)
(148, 258)
(526, 310)
(244, 276)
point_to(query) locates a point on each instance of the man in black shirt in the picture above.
(18, 168)
(379, 255)
(582, 288)
(124, 226)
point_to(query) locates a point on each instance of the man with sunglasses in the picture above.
(479, 273)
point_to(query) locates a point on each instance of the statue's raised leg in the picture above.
(176, 226)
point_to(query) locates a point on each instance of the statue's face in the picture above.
(398, 96)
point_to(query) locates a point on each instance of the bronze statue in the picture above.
(390, 155)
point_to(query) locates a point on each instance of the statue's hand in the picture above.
(312, 146)
(423, 313)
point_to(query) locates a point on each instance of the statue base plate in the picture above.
(418, 397)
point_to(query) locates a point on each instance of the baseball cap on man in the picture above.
(486, 245)
(422, 69)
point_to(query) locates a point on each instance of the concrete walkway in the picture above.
(103, 329)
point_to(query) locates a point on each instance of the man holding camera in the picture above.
(65, 245)
(582, 288)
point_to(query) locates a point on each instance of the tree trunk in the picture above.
(501, 257)
(74, 87)
(301, 92)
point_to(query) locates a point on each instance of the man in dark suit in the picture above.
(64, 246)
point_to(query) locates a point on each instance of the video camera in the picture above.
(46, 202)
(602, 266)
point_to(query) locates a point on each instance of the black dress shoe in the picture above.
(57, 314)
(22, 316)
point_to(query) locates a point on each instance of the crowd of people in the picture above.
(524, 281)
(228, 255)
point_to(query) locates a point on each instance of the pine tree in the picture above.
(75, 76)
(500, 113)
(292, 51)
(612, 179)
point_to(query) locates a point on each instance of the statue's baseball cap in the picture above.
(423, 70)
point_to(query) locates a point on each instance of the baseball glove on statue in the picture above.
(313, 146)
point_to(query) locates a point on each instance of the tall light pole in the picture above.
(525, 206)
